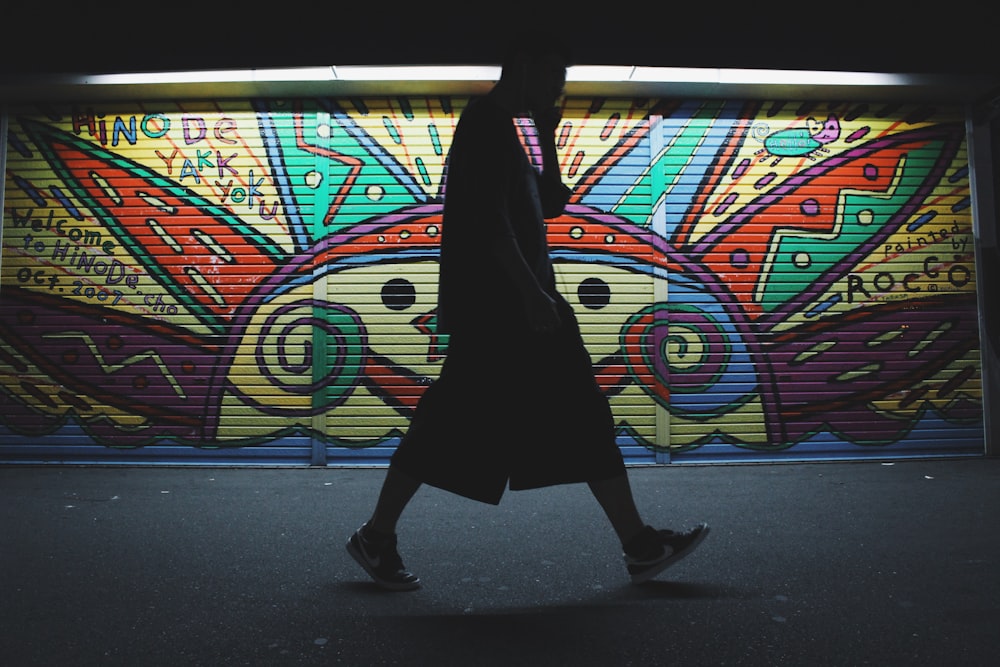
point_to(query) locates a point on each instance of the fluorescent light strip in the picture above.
(576, 74)
(810, 78)
(211, 76)
(415, 73)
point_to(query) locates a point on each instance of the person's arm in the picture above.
(542, 313)
(553, 192)
(540, 308)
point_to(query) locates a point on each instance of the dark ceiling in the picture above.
(110, 36)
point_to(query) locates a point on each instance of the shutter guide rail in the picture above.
(320, 360)
(660, 288)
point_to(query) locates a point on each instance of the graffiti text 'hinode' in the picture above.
(209, 164)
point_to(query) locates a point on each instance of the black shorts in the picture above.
(517, 409)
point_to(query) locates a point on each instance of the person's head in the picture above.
(534, 70)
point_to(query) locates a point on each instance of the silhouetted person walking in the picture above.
(516, 402)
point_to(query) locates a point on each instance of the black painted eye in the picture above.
(398, 294)
(594, 293)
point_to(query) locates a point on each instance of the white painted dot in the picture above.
(313, 179)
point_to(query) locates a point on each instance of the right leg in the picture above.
(647, 551)
(615, 497)
(397, 490)
(373, 545)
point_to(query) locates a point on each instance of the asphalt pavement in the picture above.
(867, 563)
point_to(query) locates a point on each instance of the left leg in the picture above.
(615, 498)
(647, 551)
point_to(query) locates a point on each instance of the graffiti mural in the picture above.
(770, 279)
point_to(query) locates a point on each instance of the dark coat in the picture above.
(491, 191)
(510, 406)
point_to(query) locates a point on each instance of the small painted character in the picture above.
(806, 142)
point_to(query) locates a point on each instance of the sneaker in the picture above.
(382, 562)
(652, 551)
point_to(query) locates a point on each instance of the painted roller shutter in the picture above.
(254, 282)
(829, 306)
(386, 208)
(606, 258)
(384, 163)
(150, 341)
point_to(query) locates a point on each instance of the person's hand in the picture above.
(547, 120)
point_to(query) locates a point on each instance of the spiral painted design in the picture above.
(696, 348)
(710, 371)
(689, 358)
(760, 131)
(284, 354)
